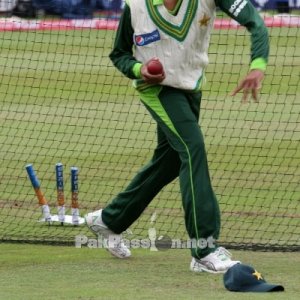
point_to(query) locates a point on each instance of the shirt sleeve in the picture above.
(122, 53)
(246, 15)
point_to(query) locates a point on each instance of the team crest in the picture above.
(204, 21)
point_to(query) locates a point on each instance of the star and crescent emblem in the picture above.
(204, 20)
(257, 275)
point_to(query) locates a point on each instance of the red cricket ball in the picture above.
(155, 67)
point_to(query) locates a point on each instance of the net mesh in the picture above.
(63, 101)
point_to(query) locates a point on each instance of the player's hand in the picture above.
(151, 78)
(251, 84)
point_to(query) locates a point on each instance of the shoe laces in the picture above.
(120, 244)
(223, 253)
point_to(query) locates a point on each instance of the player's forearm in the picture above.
(259, 44)
(122, 55)
(245, 14)
(124, 62)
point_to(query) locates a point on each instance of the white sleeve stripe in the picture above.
(240, 8)
(237, 7)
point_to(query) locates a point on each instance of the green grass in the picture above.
(48, 272)
(62, 100)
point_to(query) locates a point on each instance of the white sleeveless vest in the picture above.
(180, 42)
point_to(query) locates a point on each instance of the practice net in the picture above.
(63, 101)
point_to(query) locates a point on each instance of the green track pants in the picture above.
(180, 152)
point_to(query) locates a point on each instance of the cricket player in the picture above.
(177, 33)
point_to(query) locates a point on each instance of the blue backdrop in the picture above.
(85, 8)
(76, 8)
(273, 4)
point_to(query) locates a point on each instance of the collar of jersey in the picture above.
(161, 2)
(177, 32)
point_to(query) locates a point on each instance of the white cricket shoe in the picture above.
(216, 262)
(113, 242)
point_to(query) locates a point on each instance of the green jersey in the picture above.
(146, 29)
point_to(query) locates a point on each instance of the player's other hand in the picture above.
(251, 84)
(151, 78)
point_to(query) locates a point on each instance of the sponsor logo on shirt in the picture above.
(237, 7)
(146, 38)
